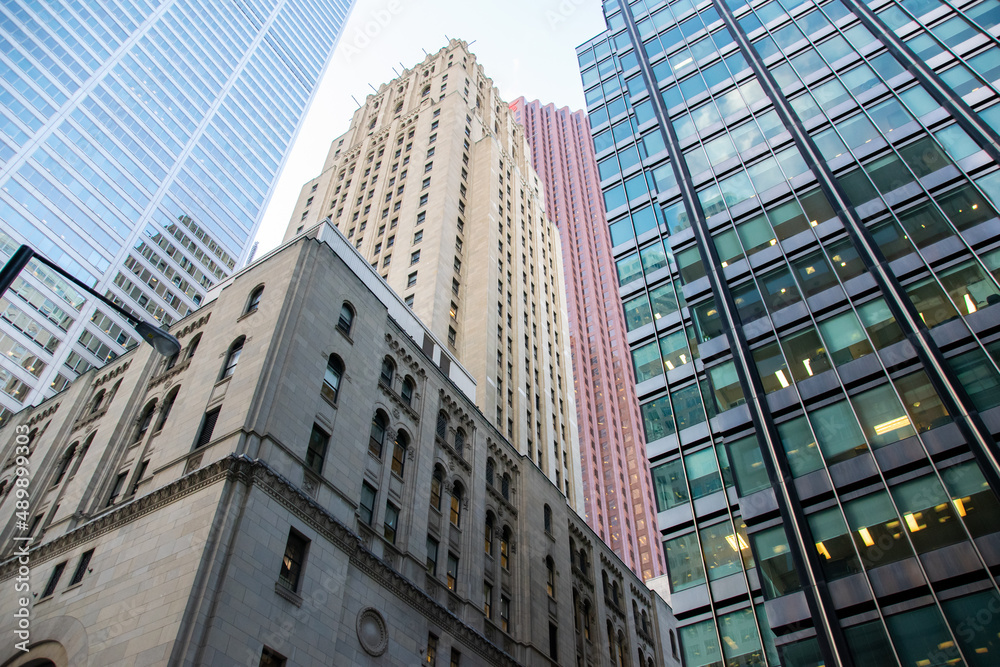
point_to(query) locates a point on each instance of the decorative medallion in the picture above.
(372, 632)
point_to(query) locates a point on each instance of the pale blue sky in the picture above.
(526, 46)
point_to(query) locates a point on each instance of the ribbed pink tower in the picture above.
(616, 482)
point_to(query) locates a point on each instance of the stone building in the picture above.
(433, 184)
(308, 482)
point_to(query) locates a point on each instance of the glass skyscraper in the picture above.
(139, 144)
(817, 360)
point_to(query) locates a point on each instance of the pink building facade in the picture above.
(616, 481)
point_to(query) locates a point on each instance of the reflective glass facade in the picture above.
(816, 358)
(139, 144)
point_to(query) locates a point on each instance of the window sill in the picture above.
(329, 401)
(344, 334)
(45, 599)
(291, 596)
(246, 315)
(73, 587)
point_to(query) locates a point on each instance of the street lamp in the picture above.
(161, 341)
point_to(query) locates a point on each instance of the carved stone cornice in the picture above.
(170, 373)
(398, 401)
(112, 374)
(39, 416)
(193, 326)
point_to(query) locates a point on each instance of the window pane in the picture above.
(664, 300)
(725, 387)
(800, 446)
(805, 354)
(922, 401)
(774, 562)
(877, 530)
(756, 234)
(718, 543)
(834, 544)
(837, 431)
(879, 323)
(927, 514)
(921, 633)
(674, 349)
(703, 473)
(628, 269)
(687, 407)
(979, 377)
(646, 361)
(700, 644)
(976, 624)
(868, 644)
(969, 287)
(787, 219)
(653, 257)
(814, 273)
(656, 419)
(748, 465)
(778, 290)
(740, 641)
(931, 303)
(845, 339)
(891, 240)
(771, 367)
(637, 313)
(748, 303)
(974, 501)
(684, 562)
(881, 415)
(671, 489)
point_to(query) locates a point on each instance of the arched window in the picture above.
(64, 463)
(399, 452)
(192, 347)
(456, 505)
(635, 614)
(437, 481)
(376, 437)
(586, 620)
(583, 559)
(441, 428)
(505, 548)
(606, 586)
(168, 403)
(97, 402)
(171, 362)
(425, 92)
(550, 577)
(346, 320)
(460, 442)
(388, 370)
(144, 420)
(645, 622)
(616, 594)
(488, 534)
(489, 471)
(547, 512)
(406, 391)
(611, 641)
(622, 649)
(505, 486)
(254, 301)
(232, 358)
(331, 379)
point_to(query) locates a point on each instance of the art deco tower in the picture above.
(433, 184)
(817, 365)
(616, 483)
(139, 146)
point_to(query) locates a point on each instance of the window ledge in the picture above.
(291, 596)
(344, 334)
(73, 587)
(329, 401)
(246, 314)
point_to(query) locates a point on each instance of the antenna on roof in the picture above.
(394, 71)
(473, 42)
(425, 51)
(373, 88)
(447, 39)
(355, 100)
(402, 66)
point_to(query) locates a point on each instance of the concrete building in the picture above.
(125, 158)
(617, 488)
(817, 366)
(433, 184)
(308, 483)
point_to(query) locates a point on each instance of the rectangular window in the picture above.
(271, 658)
(81, 567)
(316, 453)
(391, 520)
(487, 599)
(423, 200)
(432, 556)
(432, 649)
(505, 613)
(207, 427)
(418, 237)
(367, 505)
(50, 587)
(292, 561)
(411, 280)
(452, 571)
(455, 658)
(414, 257)
(116, 490)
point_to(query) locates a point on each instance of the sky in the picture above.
(528, 47)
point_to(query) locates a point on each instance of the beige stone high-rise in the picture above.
(433, 184)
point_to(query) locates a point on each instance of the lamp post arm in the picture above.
(133, 320)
